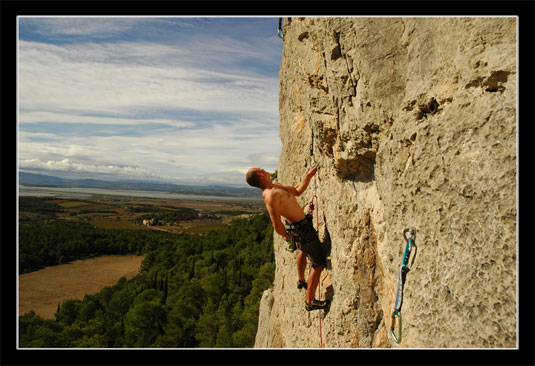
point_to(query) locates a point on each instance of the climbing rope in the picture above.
(311, 208)
(401, 281)
(319, 313)
(311, 143)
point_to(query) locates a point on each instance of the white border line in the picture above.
(265, 16)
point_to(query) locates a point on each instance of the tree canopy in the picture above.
(192, 290)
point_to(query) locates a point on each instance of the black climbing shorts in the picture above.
(306, 240)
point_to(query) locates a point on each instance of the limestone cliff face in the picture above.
(414, 123)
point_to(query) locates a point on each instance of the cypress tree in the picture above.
(164, 300)
(192, 271)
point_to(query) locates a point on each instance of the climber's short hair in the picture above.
(252, 178)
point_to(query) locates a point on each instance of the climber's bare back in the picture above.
(282, 197)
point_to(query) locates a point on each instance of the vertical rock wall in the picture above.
(414, 123)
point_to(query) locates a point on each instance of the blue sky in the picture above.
(190, 100)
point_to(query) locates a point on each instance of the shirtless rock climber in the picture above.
(280, 201)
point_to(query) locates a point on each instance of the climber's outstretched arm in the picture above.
(302, 186)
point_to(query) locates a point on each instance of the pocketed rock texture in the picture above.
(414, 123)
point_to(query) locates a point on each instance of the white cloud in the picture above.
(111, 78)
(88, 26)
(191, 152)
(266, 160)
(232, 178)
(66, 165)
(145, 109)
(71, 117)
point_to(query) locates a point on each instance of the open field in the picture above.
(120, 212)
(41, 291)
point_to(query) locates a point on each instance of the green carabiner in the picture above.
(393, 326)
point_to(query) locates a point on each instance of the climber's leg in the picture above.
(313, 249)
(301, 265)
(313, 281)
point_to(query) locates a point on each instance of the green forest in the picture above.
(193, 291)
(47, 243)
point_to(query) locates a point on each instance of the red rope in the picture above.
(311, 210)
(319, 314)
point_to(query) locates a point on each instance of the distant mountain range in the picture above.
(40, 180)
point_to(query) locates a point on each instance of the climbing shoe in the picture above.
(316, 305)
(302, 284)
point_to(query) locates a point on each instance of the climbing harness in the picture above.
(401, 280)
(280, 32)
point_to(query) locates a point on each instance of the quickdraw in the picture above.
(311, 143)
(401, 281)
(280, 32)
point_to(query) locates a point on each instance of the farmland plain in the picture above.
(42, 290)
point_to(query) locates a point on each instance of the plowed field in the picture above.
(42, 290)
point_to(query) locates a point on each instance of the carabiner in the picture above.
(412, 233)
(409, 247)
(280, 32)
(393, 326)
(401, 280)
